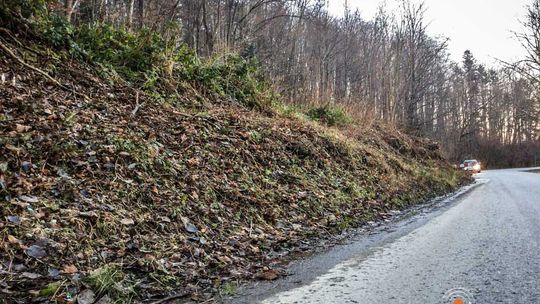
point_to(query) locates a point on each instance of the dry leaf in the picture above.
(86, 297)
(225, 259)
(194, 161)
(39, 215)
(22, 128)
(268, 275)
(70, 269)
(29, 199)
(127, 221)
(30, 275)
(36, 252)
(13, 240)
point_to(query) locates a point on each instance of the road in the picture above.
(485, 247)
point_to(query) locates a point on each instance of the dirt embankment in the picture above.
(109, 193)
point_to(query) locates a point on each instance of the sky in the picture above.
(483, 26)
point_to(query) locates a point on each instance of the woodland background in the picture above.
(386, 69)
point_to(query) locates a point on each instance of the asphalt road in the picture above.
(485, 247)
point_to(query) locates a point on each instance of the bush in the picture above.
(146, 56)
(149, 58)
(329, 115)
(26, 8)
(131, 54)
(236, 78)
(57, 30)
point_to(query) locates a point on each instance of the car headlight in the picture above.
(476, 167)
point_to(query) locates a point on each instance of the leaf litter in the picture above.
(179, 200)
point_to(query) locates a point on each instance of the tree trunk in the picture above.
(140, 14)
(68, 8)
(130, 9)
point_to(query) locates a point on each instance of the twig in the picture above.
(137, 104)
(20, 44)
(173, 297)
(10, 52)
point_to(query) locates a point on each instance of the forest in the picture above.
(388, 68)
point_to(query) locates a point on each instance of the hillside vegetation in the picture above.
(131, 169)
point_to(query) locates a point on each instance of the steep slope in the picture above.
(107, 191)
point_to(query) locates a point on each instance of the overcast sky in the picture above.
(483, 26)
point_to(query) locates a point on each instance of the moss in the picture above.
(50, 290)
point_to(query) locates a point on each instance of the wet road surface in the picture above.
(485, 244)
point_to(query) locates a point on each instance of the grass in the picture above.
(111, 281)
(228, 289)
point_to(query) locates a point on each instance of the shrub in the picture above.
(148, 58)
(329, 115)
(26, 8)
(57, 30)
(131, 54)
(234, 77)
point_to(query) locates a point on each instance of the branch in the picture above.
(41, 72)
(137, 105)
(10, 52)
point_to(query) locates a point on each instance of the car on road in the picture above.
(471, 165)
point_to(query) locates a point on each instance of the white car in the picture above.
(471, 165)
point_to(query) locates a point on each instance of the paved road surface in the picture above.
(487, 243)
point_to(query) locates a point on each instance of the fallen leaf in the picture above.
(225, 259)
(105, 300)
(36, 252)
(191, 228)
(19, 267)
(12, 148)
(53, 272)
(30, 275)
(29, 199)
(194, 161)
(86, 297)
(89, 214)
(188, 225)
(268, 275)
(22, 128)
(13, 240)
(70, 269)
(14, 219)
(127, 221)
